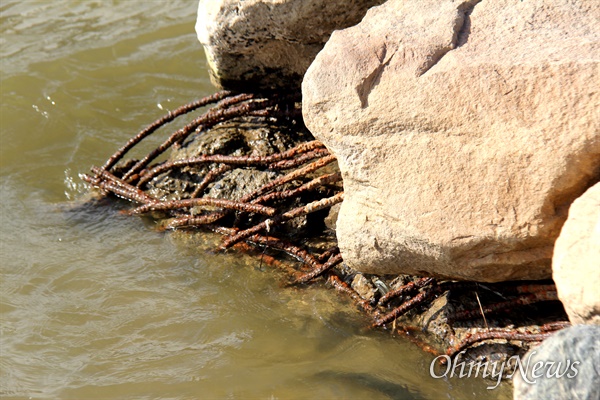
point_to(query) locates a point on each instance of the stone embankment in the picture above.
(464, 130)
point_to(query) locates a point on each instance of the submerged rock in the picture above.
(576, 262)
(267, 44)
(240, 137)
(463, 130)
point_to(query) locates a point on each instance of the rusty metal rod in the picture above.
(189, 221)
(505, 305)
(209, 178)
(279, 219)
(409, 287)
(204, 201)
(231, 160)
(497, 334)
(311, 185)
(333, 261)
(210, 118)
(162, 121)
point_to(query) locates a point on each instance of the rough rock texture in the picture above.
(268, 44)
(463, 129)
(576, 261)
(568, 367)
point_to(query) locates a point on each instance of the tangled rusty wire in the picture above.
(304, 159)
(251, 221)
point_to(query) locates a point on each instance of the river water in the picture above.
(98, 305)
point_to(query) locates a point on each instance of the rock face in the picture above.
(463, 129)
(566, 367)
(268, 44)
(576, 261)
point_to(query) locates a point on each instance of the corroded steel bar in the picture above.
(291, 176)
(497, 334)
(409, 287)
(209, 178)
(506, 305)
(296, 162)
(311, 185)
(341, 286)
(210, 118)
(162, 121)
(134, 193)
(293, 250)
(333, 261)
(296, 212)
(408, 305)
(328, 253)
(232, 160)
(204, 201)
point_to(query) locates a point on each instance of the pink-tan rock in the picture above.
(464, 131)
(576, 261)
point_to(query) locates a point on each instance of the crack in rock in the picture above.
(365, 87)
(462, 30)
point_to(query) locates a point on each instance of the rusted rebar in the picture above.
(246, 161)
(409, 287)
(301, 160)
(108, 182)
(162, 121)
(281, 218)
(191, 221)
(204, 201)
(209, 178)
(311, 185)
(328, 253)
(342, 287)
(333, 261)
(408, 305)
(509, 334)
(210, 118)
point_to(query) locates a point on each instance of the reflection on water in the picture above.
(95, 304)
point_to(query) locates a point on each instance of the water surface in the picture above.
(98, 305)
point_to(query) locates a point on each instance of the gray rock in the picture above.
(268, 44)
(463, 130)
(574, 355)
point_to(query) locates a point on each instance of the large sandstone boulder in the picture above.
(463, 129)
(269, 44)
(576, 261)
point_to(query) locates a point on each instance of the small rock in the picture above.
(363, 287)
(576, 262)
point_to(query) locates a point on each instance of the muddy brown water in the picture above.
(98, 305)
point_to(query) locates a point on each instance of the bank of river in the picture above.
(95, 304)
